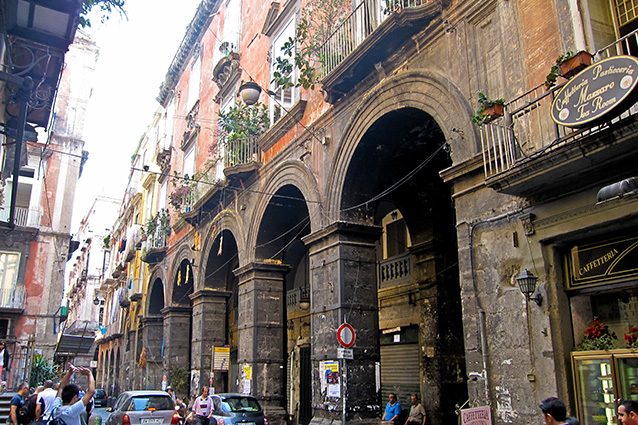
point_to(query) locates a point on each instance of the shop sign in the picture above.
(598, 93)
(609, 261)
(476, 416)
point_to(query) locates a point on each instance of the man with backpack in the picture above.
(18, 412)
(45, 403)
(68, 407)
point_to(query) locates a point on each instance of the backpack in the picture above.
(26, 413)
(55, 421)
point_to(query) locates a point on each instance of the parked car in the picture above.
(143, 408)
(99, 398)
(238, 409)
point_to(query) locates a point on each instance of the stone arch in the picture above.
(294, 173)
(156, 301)
(419, 89)
(226, 220)
(184, 252)
(157, 274)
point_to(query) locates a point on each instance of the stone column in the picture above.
(152, 334)
(261, 335)
(343, 286)
(177, 338)
(209, 330)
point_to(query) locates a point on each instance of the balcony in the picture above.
(371, 34)
(240, 157)
(200, 195)
(298, 298)
(155, 245)
(24, 217)
(12, 298)
(526, 154)
(395, 270)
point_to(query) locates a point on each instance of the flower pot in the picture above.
(249, 92)
(496, 110)
(575, 64)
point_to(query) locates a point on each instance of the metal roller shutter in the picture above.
(400, 372)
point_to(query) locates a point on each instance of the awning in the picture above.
(74, 344)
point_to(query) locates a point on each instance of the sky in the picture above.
(135, 54)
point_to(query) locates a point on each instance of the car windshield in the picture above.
(241, 404)
(158, 402)
(100, 394)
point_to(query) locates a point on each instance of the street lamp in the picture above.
(249, 92)
(96, 300)
(527, 283)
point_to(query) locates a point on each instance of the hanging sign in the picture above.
(346, 335)
(598, 93)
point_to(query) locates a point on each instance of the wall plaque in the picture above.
(598, 93)
(601, 262)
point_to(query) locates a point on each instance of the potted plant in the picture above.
(488, 110)
(597, 336)
(568, 65)
(631, 338)
(239, 127)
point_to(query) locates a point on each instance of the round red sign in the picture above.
(346, 335)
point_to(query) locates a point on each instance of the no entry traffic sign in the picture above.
(346, 335)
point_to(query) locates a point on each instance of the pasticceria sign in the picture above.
(601, 91)
(614, 260)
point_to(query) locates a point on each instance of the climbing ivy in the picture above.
(106, 8)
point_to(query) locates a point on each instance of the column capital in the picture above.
(343, 231)
(262, 267)
(176, 311)
(150, 320)
(206, 294)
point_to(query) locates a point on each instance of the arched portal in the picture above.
(285, 222)
(393, 182)
(153, 334)
(183, 284)
(222, 304)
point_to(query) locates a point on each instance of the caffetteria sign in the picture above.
(601, 91)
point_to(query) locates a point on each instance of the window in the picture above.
(9, 266)
(151, 403)
(232, 26)
(194, 80)
(283, 97)
(396, 238)
(221, 145)
(189, 161)
(605, 21)
(161, 202)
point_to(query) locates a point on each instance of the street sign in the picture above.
(345, 353)
(346, 335)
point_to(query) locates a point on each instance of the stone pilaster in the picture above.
(262, 335)
(177, 337)
(209, 330)
(343, 283)
(152, 334)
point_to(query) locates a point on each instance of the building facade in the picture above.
(35, 245)
(371, 198)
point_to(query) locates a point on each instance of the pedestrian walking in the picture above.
(392, 409)
(17, 402)
(45, 403)
(554, 411)
(628, 412)
(417, 412)
(68, 406)
(203, 407)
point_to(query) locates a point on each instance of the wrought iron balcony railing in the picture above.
(527, 129)
(24, 217)
(240, 152)
(364, 19)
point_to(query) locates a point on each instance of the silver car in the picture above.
(237, 409)
(143, 408)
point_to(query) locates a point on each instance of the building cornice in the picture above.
(196, 28)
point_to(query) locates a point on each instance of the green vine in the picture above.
(318, 22)
(106, 8)
(554, 72)
(180, 380)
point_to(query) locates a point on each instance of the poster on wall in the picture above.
(476, 416)
(329, 371)
(246, 377)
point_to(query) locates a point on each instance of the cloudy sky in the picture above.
(134, 56)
